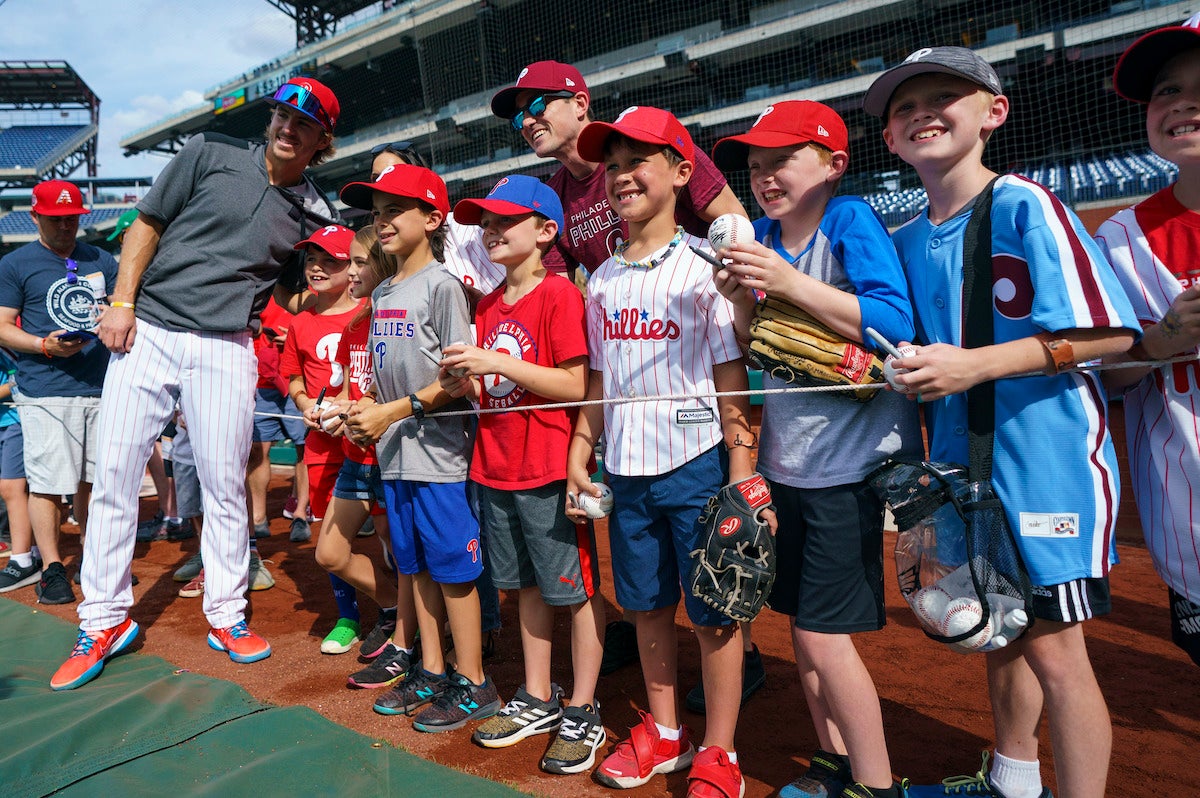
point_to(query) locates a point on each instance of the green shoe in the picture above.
(341, 638)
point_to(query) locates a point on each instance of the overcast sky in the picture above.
(145, 59)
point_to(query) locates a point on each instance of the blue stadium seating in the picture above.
(26, 146)
(20, 223)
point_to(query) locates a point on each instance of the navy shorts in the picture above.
(360, 482)
(1185, 624)
(12, 452)
(654, 526)
(433, 529)
(1069, 602)
(269, 428)
(829, 552)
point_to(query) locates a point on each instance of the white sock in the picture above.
(732, 754)
(24, 560)
(1016, 778)
(173, 519)
(668, 734)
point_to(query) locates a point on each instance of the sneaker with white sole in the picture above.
(239, 643)
(194, 588)
(387, 669)
(14, 576)
(341, 637)
(523, 716)
(579, 737)
(259, 578)
(91, 651)
(644, 755)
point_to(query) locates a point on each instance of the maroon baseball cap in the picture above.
(785, 124)
(58, 198)
(401, 180)
(539, 76)
(640, 123)
(311, 98)
(332, 238)
(1140, 64)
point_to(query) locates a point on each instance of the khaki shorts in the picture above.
(60, 441)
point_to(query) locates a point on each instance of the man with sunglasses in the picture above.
(549, 105)
(197, 268)
(52, 286)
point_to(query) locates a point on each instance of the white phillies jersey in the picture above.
(467, 259)
(1155, 249)
(653, 332)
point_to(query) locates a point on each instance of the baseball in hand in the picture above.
(596, 507)
(963, 615)
(327, 424)
(729, 229)
(930, 604)
(890, 371)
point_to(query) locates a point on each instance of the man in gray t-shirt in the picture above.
(197, 267)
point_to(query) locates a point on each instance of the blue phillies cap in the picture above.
(512, 196)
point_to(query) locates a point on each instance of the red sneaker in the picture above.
(645, 754)
(5, 549)
(714, 776)
(290, 507)
(239, 642)
(90, 652)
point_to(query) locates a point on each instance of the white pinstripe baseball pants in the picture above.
(212, 377)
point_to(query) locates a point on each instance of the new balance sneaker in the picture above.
(378, 638)
(579, 737)
(301, 532)
(341, 637)
(715, 775)
(154, 529)
(754, 676)
(91, 651)
(645, 754)
(620, 646)
(418, 689)
(54, 586)
(239, 642)
(387, 669)
(262, 530)
(523, 716)
(826, 776)
(194, 588)
(460, 703)
(180, 530)
(14, 576)
(190, 569)
(259, 577)
(978, 784)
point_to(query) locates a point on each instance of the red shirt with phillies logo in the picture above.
(311, 352)
(526, 449)
(354, 356)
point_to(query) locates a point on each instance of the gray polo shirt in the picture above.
(227, 232)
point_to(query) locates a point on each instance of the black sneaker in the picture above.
(379, 637)
(523, 716)
(620, 646)
(461, 702)
(180, 530)
(154, 529)
(417, 690)
(387, 669)
(301, 533)
(54, 587)
(826, 777)
(14, 576)
(753, 678)
(579, 737)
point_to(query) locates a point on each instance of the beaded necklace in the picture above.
(652, 262)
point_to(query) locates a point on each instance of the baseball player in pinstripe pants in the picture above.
(196, 270)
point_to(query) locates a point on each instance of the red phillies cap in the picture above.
(311, 98)
(333, 238)
(401, 180)
(1140, 64)
(640, 123)
(58, 198)
(785, 124)
(543, 76)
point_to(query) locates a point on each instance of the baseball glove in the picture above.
(791, 345)
(734, 570)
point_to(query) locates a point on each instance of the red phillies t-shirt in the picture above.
(311, 351)
(546, 327)
(354, 356)
(593, 228)
(277, 321)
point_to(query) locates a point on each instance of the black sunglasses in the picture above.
(537, 106)
(398, 147)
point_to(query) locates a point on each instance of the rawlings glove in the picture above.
(735, 568)
(791, 345)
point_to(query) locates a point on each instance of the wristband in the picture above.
(42, 344)
(418, 409)
(129, 305)
(1062, 354)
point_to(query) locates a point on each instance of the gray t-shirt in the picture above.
(227, 232)
(427, 310)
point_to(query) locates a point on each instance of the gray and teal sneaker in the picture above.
(461, 702)
(418, 689)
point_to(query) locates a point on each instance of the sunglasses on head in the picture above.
(403, 148)
(537, 106)
(304, 101)
(72, 272)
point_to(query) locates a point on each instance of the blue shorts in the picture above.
(433, 529)
(12, 452)
(359, 481)
(654, 526)
(269, 428)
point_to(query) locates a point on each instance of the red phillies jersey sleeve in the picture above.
(311, 352)
(354, 356)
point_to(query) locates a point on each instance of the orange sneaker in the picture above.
(645, 754)
(239, 642)
(90, 652)
(713, 775)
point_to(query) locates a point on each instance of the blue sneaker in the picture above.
(978, 784)
(826, 777)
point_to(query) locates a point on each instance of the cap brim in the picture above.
(68, 212)
(731, 152)
(876, 100)
(470, 211)
(115, 234)
(271, 101)
(358, 195)
(504, 102)
(1139, 65)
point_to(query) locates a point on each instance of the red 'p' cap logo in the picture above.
(729, 526)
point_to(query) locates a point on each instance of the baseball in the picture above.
(963, 615)
(890, 371)
(327, 424)
(930, 604)
(729, 229)
(596, 508)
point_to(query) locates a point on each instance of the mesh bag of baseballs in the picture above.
(791, 345)
(956, 560)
